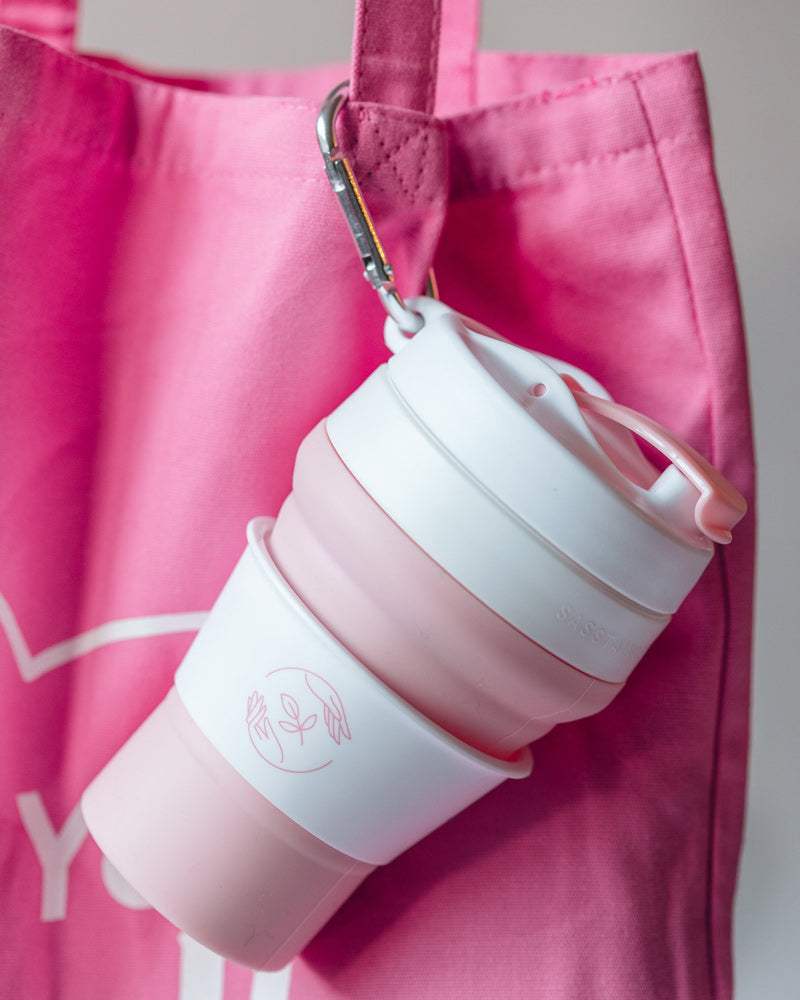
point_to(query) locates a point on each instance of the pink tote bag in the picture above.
(181, 303)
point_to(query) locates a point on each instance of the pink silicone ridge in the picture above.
(411, 623)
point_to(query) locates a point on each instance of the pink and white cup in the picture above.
(474, 550)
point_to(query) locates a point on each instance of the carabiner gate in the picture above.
(377, 269)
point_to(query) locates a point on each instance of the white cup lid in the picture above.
(512, 420)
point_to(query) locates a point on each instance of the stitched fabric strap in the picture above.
(458, 48)
(52, 20)
(396, 51)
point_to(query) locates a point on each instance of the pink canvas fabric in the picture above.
(181, 304)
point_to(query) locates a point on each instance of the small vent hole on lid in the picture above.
(538, 389)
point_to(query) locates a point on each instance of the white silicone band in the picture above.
(481, 542)
(334, 748)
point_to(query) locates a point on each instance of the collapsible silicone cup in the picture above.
(411, 623)
(346, 775)
(466, 559)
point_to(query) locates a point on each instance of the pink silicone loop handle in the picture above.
(719, 507)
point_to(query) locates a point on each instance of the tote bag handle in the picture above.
(399, 49)
(396, 45)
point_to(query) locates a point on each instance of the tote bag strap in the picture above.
(398, 46)
(52, 20)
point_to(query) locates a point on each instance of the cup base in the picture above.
(206, 850)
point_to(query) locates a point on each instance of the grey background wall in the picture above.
(749, 53)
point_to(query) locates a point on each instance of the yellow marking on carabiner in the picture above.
(377, 269)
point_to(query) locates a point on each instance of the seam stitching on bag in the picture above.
(358, 69)
(504, 184)
(530, 176)
(73, 144)
(573, 57)
(118, 75)
(599, 160)
(422, 161)
(714, 797)
(136, 165)
(573, 90)
(657, 146)
(433, 56)
(711, 832)
(389, 154)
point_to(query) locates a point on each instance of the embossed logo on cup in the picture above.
(297, 721)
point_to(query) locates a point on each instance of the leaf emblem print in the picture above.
(297, 720)
(295, 725)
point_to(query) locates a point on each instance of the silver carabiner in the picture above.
(377, 269)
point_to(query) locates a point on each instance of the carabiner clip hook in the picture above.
(377, 269)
